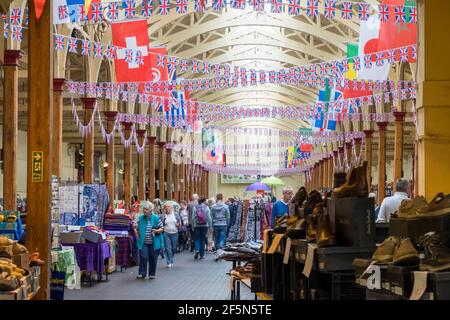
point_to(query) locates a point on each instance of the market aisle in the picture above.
(189, 279)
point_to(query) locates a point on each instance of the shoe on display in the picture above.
(300, 196)
(355, 184)
(406, 254)
(314, 197)
(324, 236)
(339, 179)
(5, 241)
(311, 229)
(35, 261)
(437, 255)
(408, 208)
(439, 206)
(384, 254)
(19, 249)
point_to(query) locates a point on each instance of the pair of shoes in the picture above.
(396, 251)
(19, 249)
(152, 277)
(196, 255)
(319, 228)
(355, 184)
(169, 266)
(140, 277)
(419, 208)
(437, 255)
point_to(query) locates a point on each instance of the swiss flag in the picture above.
(132, 35)
(394, 35)
(159, 73)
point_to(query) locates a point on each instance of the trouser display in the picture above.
(150, 257)
(200, 239)
(170, 242)
(220, 233)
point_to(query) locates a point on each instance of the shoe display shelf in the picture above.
(279, 287)
(401, 279)
(414, 228)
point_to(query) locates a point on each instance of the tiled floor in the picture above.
(189, 279)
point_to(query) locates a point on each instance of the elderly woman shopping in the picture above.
(172, 224)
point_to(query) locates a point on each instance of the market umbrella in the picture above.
(273, 181)
(257, 186)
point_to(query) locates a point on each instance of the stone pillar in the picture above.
(381, 160)
(161, 175)
(89, 104)
(330, 172)
(335, 166)
(110, 155)
(151, 168)
(169, 170)
(58, 85)
(141, 165)
(433, 103)
(398, 146)
(10, 127)
(128, 153)
(176, 181)
(357, 144)
(341, 159)
(348, 153)
(368, 155)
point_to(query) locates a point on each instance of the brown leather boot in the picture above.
(349, 187)
(311, 229)
(406, 254)
(325, 238)
(339, 179)
(361, 179)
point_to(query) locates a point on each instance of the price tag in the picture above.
(420, 285)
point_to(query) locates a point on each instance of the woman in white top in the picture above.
(172, 223)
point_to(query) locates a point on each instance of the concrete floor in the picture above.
(189, 279)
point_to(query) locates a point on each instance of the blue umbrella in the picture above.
(257, 186)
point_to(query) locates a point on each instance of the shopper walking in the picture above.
(220, 214)
(171, 224)
(281, 207)
(149, 241)
(158, 210)
(391, 204)
(190, 208)
(201, 223)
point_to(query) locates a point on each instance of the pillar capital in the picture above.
(348, 144)
(341, 149)
(357, 141)
(368, 133)
(88, 103)
(335, 153)
(141, 133)
(382, 126)
(151, 140)
(127, 125)
(161, 144)
(58, 84)
(110, 115)
(399, 116)
(12, 57)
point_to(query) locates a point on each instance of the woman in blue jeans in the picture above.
(172, 224)
(149, 241)
(201, 223)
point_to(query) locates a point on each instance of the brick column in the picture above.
(398, 145)
(58, 85)
(110, 155)
(381, 160)
(89, 104)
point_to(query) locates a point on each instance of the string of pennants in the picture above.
(129, 9)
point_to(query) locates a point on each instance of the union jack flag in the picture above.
(412, 15)
(379, 59)
(59, 42)
(227, 71)
(181, 6)
(312, 8)
(17, 33)
(294, 7)
(206, 67)
(347, 10)
(15, 16)
(370, 85)
(262, 77)
(113, 11)
(345, 65)
(139, 58)
(128, 56)
(63, 12)
(357, 63)
(195, 66)
(384, 12)
(364, 11)
(218, 5)
(378, 85)
(277, 6)
(98, 50)
(96, 12)
(253, 77)
(216, 69)
(238, 4)
(199, 5)
(129, 7)
(73, 45)
(329, 8)
(164, 7)
(403, 54)
(387, 97)
(85, 47)
(258, 5)
(384, 84)
(161, 62)
(183, 65)
(272, 77)
(147, 8)
(391, 56)
(82, 12)
(171, 62)
(111, 52)
(413, 53)
(368, 61)
(400, 14)
(355, 85)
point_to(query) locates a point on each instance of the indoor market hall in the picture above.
(246, 151)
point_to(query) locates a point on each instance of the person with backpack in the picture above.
(220, 214)
(201, 223)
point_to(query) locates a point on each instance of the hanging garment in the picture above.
(235, 228)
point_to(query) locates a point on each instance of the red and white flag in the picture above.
(159, 73)
(132, 37)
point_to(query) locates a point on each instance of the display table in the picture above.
(92, 257)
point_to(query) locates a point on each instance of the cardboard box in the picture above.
(70, 237)
(21, 260)
(92, 236)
